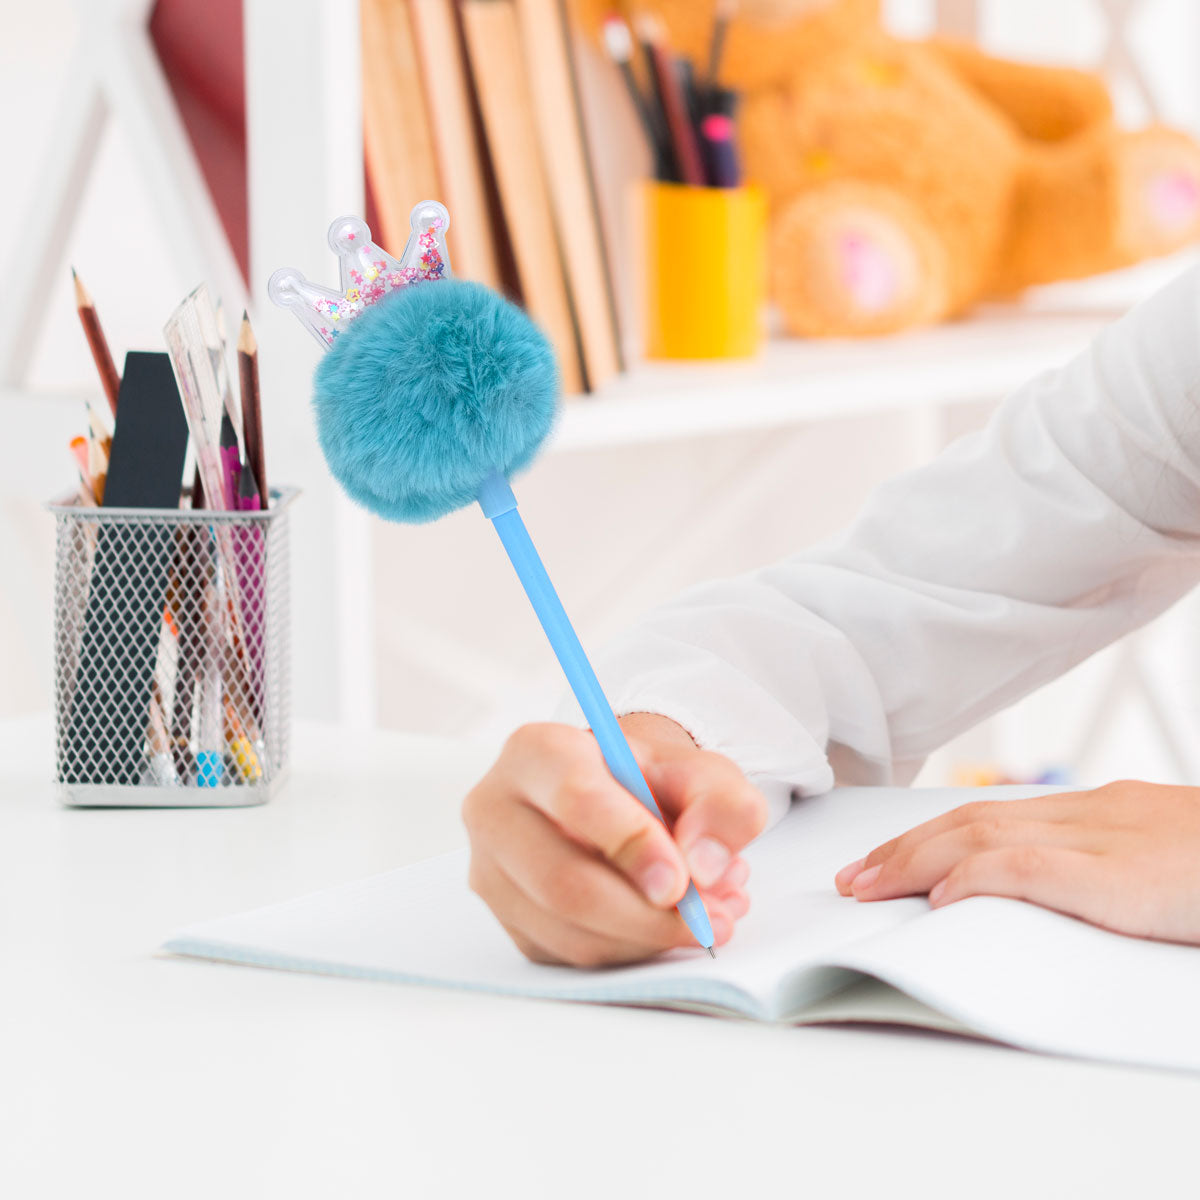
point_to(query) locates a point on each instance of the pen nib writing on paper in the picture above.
(711, 952)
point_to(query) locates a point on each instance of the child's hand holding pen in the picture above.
(578, 872)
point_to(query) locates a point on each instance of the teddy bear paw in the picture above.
(1158, 196)
(851, 260)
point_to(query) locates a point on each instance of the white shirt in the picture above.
(1072, 519)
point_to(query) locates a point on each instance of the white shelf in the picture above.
(981, 357)
(794, 381)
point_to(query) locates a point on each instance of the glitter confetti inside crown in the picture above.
(366, 271)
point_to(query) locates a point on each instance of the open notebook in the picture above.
(996, 968)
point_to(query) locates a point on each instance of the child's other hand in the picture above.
(579, 872)
(1123, 856)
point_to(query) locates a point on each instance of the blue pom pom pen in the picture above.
(368, 274)
(500, 507)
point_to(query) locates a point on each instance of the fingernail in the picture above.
(737, 874)
(707, 860)
(657, 882)
(864, 879)
(722, 926)
(935, 892)
(846, 875)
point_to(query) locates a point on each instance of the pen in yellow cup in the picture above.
(705, 270)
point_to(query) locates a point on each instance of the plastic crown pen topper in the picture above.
(430, 401)
(367, 272)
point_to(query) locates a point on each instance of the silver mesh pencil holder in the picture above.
(171, 654)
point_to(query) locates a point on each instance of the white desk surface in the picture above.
(128, 1074)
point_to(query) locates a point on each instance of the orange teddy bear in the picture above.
(909, 179)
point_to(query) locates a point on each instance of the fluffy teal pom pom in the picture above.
(428, 392)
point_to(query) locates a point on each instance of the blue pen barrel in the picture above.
(578, 670)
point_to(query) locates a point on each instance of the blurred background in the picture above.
(221, 145)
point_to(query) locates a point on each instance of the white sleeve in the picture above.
(1073, 518)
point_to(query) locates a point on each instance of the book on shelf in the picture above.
(457, 142)
(497, 57)
(619, 159)
(479, 103)
(397, 138)
(556, 104)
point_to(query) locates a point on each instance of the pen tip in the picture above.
(711, 952)
(73, 274)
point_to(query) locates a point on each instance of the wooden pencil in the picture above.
(252, 407)
(83, 460)
(97, 468)
(101, 355)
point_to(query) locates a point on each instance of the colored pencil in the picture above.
(248, 497)
(252, 407)
(97, 467)
(87, 491)
(110, 380)
(231, 460)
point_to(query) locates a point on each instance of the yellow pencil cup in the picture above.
(705, 270)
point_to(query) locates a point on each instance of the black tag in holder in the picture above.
(127, 588)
